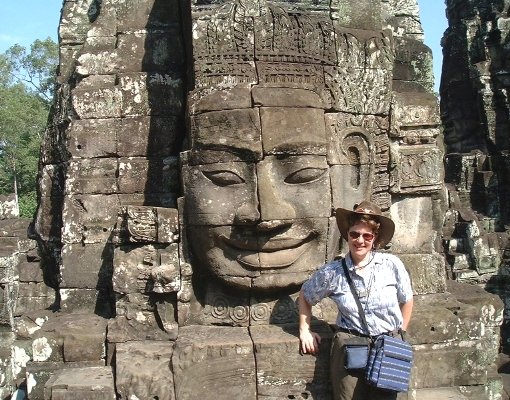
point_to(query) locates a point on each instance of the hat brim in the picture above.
(386, 228)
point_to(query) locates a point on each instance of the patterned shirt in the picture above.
(383, 286)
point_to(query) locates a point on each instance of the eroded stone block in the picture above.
(89, 218)
(86, 267)
(282, 372)
(81, 383)
(143, 370)
(202, 354)
(427, 271)
(93, 138)
(287, 130)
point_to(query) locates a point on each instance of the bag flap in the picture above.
(396, 348)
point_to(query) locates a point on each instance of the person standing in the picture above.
(383, 287)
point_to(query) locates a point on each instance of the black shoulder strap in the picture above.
(355, 295)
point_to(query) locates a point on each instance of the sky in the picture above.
(24, 21)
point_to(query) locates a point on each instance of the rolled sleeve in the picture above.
(320, 285)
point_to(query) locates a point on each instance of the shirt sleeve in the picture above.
(321, 284)
(404, 288)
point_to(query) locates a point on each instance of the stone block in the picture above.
(155, 136)
(14, 227)
(237, 97)
(214, 360)
(230, 133)
(427, 271)
(286, 97)
(92, 176)
(26, 325)
(38, 373)
(136, 268)
(364, 14)
(84, 338)
(76, 21)
(123, 329)
(364, 90)
(8, 246)
(86, 267)
(48, 222)
(89, 218)
(150, 50)
(287, 130)
(28, 304)
(413, 62)
(413, 225)
(416, 169)
(441, 318)
(143, 370)
(94, 301)
(97, 62)
(90, 138)
(105, 102)
(30, 272)
(147, 14)
(81, 384)
(73, 337)
(282, 372)
(414, 113)
(142, 224)
(151, 94)
(450, 364)
(143, 175)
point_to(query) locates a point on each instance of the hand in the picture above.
(309, 342)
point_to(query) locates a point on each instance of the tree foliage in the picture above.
(27, 84)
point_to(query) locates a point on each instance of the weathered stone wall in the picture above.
(187, 186)
(475, 113)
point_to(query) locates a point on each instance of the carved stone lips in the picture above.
(276, 252)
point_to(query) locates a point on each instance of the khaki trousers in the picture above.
(349, 385)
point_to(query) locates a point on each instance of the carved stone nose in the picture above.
(247, 214)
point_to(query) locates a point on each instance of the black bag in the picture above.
(356, 353)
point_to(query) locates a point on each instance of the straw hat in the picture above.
(386, 228)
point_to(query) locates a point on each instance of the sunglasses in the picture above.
(366, 236)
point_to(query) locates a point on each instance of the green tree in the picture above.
(27, 84)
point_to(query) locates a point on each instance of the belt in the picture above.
(395, 333)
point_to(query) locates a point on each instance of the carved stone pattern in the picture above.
(283, 36)
(142, 224)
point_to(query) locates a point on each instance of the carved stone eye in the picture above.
(305, 175)
(223, 178)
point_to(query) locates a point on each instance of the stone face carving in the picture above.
(186, 225)
(244, 215)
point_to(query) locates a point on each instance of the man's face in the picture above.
(257, 195)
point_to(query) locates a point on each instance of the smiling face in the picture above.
(361, 240)
(257, 195)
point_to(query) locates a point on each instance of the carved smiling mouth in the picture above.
(275, 252)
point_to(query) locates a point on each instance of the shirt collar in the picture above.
(350, 264)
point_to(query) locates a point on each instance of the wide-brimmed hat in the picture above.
(386, 227)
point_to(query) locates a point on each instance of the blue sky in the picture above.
(23, 21)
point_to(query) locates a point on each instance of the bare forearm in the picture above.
(305, 313)
(309, 341)
(407, 310)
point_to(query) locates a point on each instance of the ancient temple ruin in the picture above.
(193, 159)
